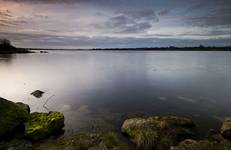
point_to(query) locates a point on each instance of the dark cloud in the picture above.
(209, 13)
(218, 20)
(140, 15)
(137, 21)
(163, 13)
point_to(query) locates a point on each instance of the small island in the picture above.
(7, 48)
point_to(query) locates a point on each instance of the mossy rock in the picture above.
(218, 141)
(85, 141)
(11, 116)
(24, 106)
(157, 132)
(226, 128)
(214, 141)
(190, 144)
(41, 125)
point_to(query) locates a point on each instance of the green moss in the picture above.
(85, 141)
(111, 141)
(80, 141)
(16, 144)
(41, 125)
(146, 139)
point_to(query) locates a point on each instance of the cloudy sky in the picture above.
(115, 23)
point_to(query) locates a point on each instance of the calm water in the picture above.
(98, 90)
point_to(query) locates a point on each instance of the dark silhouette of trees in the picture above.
(7, 48)
(5, 42)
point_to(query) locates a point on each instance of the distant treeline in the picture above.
(171, 48)
(7, 48)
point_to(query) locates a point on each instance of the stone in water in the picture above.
(37, 93)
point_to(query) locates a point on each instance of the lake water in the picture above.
(97, 90)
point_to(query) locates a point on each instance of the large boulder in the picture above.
(24, 106)
(226, 128)
(157, 132)
(11, 116)
(41, 125)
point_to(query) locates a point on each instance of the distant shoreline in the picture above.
(200, 48)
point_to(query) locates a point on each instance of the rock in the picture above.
(226, 128)
(85, 141)
(157, 132)
(43, 52)
(219, 142)
(37, 93)
(24, 106)
(41, 125)
(11, 116)
(214, 141)
(190, 144)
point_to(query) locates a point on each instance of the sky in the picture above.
(115, 23)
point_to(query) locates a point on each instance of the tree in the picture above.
(4, 42)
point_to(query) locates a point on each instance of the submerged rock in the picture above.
(43, 52)
(226, 128)
(24, 106)
(41, 125)
(157, 132)
(85, 141)
(11, 116)
(37, 93)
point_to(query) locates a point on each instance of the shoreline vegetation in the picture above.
(7, 48)
(22, 130)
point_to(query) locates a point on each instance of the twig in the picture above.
(47, 101)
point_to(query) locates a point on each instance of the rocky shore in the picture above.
(22, 130)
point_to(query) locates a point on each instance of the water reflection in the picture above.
(97, 90)
(6, 58)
